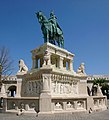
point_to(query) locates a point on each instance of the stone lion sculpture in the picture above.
(46, 58)
(81, 69)
(99, 92)
(22, 66)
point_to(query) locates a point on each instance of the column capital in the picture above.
(61, 62)
(71, 60)
(33, 57)
(61, 58)
(71, 64)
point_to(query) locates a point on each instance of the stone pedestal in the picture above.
(4, 105)
(61, 63)
(46, 83)
(3, 91)
(52, 86)
(34, 62)
(71, 65)
(45, 103)
(82, 88)
(45, 97)
(90, 103)
(19, 85)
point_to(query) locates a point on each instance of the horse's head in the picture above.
(39, 13)
(41, 17)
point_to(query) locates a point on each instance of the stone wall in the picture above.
(14, 104)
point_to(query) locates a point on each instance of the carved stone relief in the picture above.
(74, 88)
(58, 106)
(80, 104)
(69, 105)
(64, 87)
(34, 87)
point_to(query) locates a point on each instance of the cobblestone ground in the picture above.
(78, 116)
(94, 116)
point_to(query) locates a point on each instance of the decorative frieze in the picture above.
(33, 87)
(61, 77)
(34, 77)
(63, 85)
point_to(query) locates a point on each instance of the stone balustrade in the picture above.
(78, 104)
(69, 105)
(99, 103)
(9, 78)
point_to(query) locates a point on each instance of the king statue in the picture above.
(51, 29)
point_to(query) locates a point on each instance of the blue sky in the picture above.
(85, 24)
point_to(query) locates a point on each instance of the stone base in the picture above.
(3, 95)
(45, 102)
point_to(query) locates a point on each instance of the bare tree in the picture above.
(5, 61)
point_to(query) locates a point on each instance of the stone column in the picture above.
(102, 102)
(45, 104)
(41, 62)
(64, 105)
(84, 102)
(98, 102)
(71, 65)
(61, 63)
(56, 87)
(89, 103)
(33, 62)
(75, 105)
(19, 85)
(4, 104)
(49, 61)
(36, 64)
(53, 106)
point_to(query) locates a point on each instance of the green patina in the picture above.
(51, 29)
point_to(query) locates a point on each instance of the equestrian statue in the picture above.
(51, 29)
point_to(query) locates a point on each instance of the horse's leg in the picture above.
(62, 41)
(51, 35)
(47, 36)
(54, 42)
(51, 41)
(58, 43)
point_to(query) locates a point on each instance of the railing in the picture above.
(9, 78)
(67, 105)
(99, 102)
